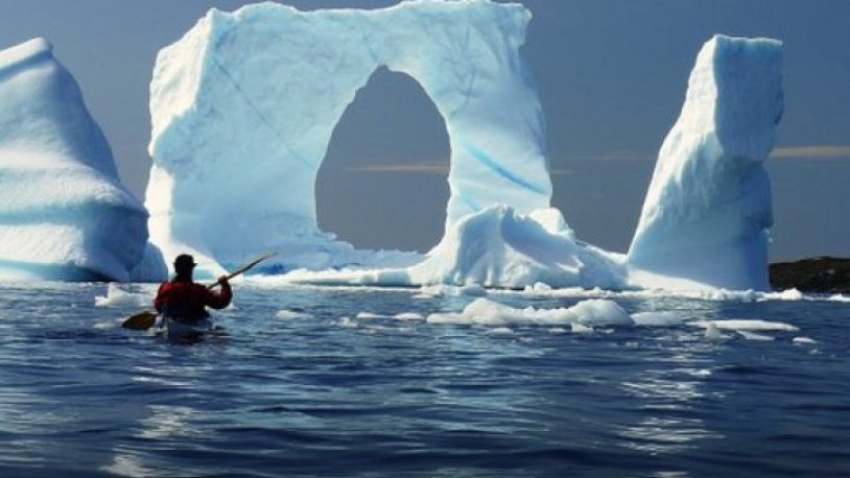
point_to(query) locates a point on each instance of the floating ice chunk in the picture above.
(600, 313)
(287, 314)
(790, 294)
(578, 328)
(118, 297)
(712, 332)
(659, 318)
(587, 313)
(409, 316)
(369, 316)
(502, 331)
(804, 341)
(754, 324)
(754, 336)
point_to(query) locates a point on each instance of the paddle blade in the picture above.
(141, 321)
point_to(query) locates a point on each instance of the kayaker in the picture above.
(185, 301)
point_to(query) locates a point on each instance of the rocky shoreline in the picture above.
(825, 275)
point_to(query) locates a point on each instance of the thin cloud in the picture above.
(811, 152)
(424, 167)
(441, 167)
(613, 156)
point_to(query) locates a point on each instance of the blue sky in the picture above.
(612, 76)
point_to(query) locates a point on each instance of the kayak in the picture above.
(174, 329)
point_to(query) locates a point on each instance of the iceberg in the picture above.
(244, 105)
(65, 215)
(707, 214)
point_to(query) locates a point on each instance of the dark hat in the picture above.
(184, 262)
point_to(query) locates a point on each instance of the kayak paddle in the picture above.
(146, 319)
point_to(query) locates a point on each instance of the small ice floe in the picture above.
(788, 294)
(409, 316)
(118, 297)
(804, 341)
(288, 314)
(347, 323)
(746, 328)
(755, 336)
(600, 313)
(746, 325)
(538, 287)
(666, 318)
(754, 324)
(502, 331)
(838, 298)
(712, 332)
(444, 290)
(370, 316)
(587, 313)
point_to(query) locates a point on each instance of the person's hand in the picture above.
(222, 280)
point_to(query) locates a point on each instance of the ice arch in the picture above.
(244, 105)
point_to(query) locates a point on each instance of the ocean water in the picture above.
(303, 382)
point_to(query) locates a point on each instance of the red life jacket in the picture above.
(187, 301)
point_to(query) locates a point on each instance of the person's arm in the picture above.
(159, 301)
(221, 299)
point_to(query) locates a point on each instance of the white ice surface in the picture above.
(64, 214)
(244, 105)
(238, 140)
(706, 218)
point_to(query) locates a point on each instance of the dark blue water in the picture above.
(335, 395)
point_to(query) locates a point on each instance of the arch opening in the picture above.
(383, 181)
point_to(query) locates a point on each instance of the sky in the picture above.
(611, 74)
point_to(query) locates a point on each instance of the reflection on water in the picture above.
(669, 402)
(130, 465)
(666, 435)
(165, 424)
(169, 422)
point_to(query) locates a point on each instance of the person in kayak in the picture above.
(185, 301)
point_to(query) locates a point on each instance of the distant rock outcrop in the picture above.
(829, 275)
